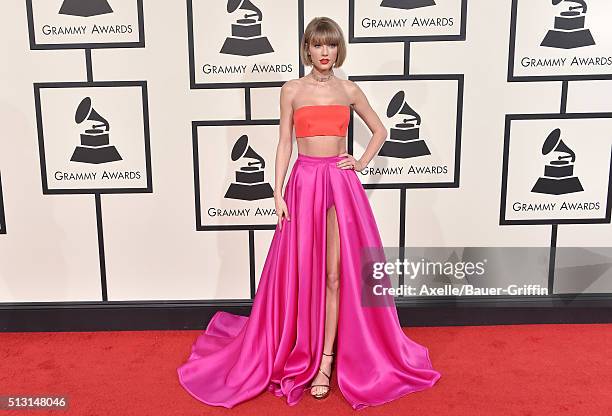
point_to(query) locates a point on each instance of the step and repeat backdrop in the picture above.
(138, 142)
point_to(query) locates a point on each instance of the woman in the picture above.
(311, 288)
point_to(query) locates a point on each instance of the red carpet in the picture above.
(486, 370)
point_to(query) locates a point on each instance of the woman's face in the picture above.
(323, 56)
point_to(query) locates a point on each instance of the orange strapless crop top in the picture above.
(321, 120)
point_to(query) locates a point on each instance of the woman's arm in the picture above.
(368, 115)
(284, 147)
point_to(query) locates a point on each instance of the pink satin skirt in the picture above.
(278, 347)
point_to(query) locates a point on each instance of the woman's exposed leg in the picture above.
(331, 298)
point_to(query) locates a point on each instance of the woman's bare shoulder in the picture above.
(292, 89)
(292, 84)
(349, 86)
(289, 90)
(351, 89)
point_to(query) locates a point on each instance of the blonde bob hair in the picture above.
(324, 31)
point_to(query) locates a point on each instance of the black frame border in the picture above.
(458, 129)
(504, 179)
(197, 179)
(2, 217)
(530, 78)
(383, 39)
(41, 143)
(93, 45)
(194, 85)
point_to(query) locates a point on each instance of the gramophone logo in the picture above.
(404, 139)
(569, 31)
(95, 146)
(558, 176)
(246, 38)
(407, 4)
(250, 184)
(85, 8)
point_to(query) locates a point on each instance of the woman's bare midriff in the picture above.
(321, 146)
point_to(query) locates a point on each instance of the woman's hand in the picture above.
(281, 211)
(350, 163)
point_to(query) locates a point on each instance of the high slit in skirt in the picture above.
(279, 346)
